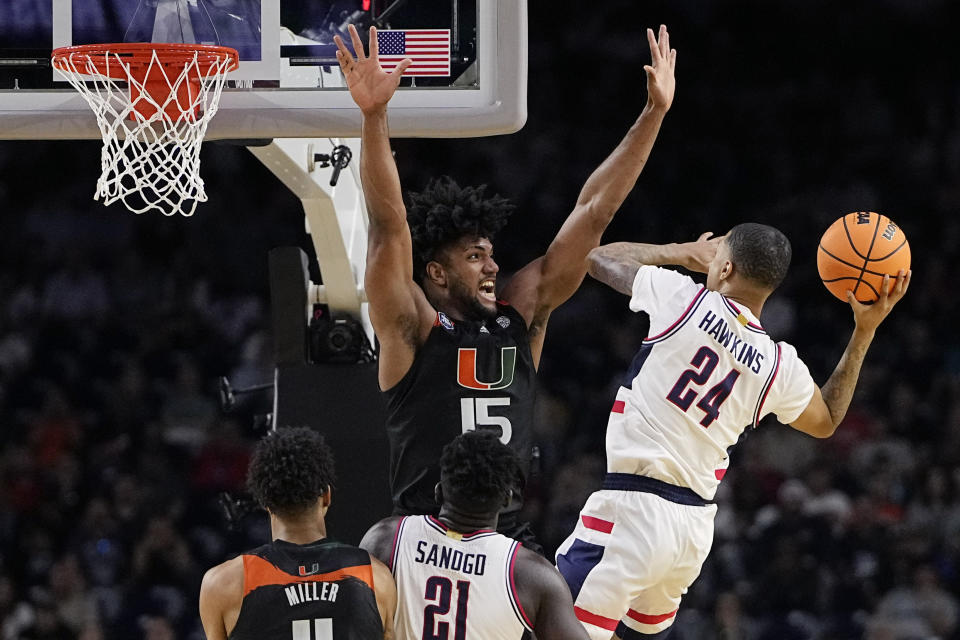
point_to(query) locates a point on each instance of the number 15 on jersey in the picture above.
(475, 413)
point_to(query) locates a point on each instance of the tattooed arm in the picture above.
(830, 403)
(617, 264)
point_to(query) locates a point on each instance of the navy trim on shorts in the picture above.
(577, 563)
(673, 493)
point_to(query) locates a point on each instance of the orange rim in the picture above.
(140, 54)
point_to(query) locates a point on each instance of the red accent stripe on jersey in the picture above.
(470, 536)
(618, 406)
(645, 618)
(752, 325)
(678, 320)
(720, 473)
(513, 587)
(603, 526)
(464, 536)
(258, 572)
(766, 390)
(591, 618)
(435, 524)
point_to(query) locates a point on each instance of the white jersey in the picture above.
(706, 372)
(455, 586)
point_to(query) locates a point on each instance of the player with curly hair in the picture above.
(457, 351)
(454, 571)
(301, 585)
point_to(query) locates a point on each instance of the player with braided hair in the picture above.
(458, 352)
(301, 584)
(454, 571)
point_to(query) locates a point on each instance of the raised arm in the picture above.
(547, 282)
(399, 312)
(616, 264)
(830, 402)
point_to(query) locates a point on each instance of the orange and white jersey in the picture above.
(455, 585)
(706, 372)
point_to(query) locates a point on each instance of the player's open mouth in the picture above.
(487, 289)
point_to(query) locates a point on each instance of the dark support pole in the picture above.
(288, 304)
(455, 27)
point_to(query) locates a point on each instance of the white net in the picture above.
(153, 116)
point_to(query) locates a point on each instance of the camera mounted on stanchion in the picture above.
(339, 158)
(337, 339)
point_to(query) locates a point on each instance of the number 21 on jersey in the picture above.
(440, 591)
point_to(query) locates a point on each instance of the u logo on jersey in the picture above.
(467, 369)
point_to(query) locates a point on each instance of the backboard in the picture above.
(471, 80)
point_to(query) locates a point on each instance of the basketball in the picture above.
(856, 252)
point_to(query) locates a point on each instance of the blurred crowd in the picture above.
(114, 328)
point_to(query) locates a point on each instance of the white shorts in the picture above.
(630, 558)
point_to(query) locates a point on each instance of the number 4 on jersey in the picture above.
(704, 362)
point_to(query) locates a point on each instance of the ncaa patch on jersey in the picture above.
(445, 321)
(503, 321)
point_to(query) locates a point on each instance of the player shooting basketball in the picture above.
(454, 354)
(706, 371)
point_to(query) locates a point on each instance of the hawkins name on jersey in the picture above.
(744, 352)
(706, 372)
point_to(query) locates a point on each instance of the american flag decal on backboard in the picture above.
(429, 49)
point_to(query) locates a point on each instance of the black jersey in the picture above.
(467, 375)
(311, 591)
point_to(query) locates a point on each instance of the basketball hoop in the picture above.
(152, 102)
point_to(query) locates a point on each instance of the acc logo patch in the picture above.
(503, 321)
(445, 321)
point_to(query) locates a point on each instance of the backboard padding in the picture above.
(487, 97)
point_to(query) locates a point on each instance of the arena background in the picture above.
(115, 327)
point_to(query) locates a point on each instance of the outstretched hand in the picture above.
(660, 79)
(869, 316)
(700, 254)
(370, 86)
